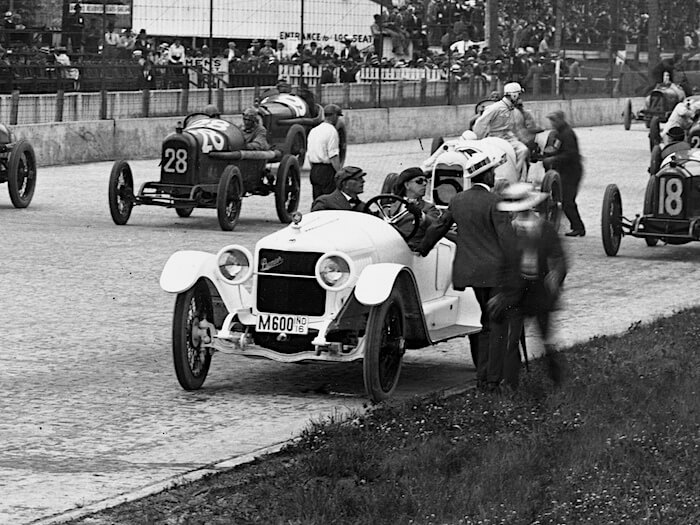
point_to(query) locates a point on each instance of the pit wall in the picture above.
(106, 140)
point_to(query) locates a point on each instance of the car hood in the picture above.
(357, 234)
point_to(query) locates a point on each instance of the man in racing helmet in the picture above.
(254, 132)
(212, 111)
(505, 120)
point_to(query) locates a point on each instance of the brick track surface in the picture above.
(89, 404)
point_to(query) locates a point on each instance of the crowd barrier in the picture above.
(139, 138)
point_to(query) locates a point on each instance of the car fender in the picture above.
(376, 282)
(184, 268)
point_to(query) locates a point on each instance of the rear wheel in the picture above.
(342, 141)
(627, 115)
(551, 207)
(190, 358)
(295, 143)
(611, 220)
(121, 192)
(228, 198)
(287, 188)
(654, 132)
(384, 348)
(21, 174)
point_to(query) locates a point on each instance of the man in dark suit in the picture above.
(349, 182)
(485, 260)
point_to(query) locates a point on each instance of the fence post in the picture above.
(103, 104)
(60, 100)
(373, 93)
(145, 102)
(14, 108)
(399, 92)
(185, 100)
(220, 99)
(536, 83)
(319, 93)
(346, 95)
(423, 91)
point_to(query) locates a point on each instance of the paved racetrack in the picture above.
(90, 405)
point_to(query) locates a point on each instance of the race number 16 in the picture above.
(670, 196)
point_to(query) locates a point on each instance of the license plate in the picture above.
(289, 324)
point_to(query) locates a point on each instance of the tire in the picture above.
(287, 188)
(121, 192)
(184, 211)
(649, 209)
(295, 143)
(627, 115)
(435, 144)
(551, 207)
(228, 198)
(611, 220)
(342, 141)
(21, 174)
(384, 348)
(654, 132)
(190, 360)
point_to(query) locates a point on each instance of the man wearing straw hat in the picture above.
(485, 260)
(541, 272)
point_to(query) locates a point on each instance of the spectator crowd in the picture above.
(436, 34)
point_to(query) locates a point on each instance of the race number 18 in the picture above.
(671, 196)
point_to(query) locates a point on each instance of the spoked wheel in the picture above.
(384, 348)
(611, 220)
(342, 141)
(21, 174)
(121, 192)
(654, 132)
(184, 211)
(295, 143)
(649, 208)
(551, 208)
(287, 188)
(392, 209)
(190, 358)
(228, 198)
(627, 115)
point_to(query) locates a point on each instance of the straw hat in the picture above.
(520, 196)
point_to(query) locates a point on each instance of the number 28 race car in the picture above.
(671, 206)
(204, 164)
(333, 286)
(17, 168)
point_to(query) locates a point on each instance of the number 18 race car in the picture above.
(334, 286)
(17, 168)
(671, 206)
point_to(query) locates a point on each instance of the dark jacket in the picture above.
(335, 201)
(566, 158)
(486, 255)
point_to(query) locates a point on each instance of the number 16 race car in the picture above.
(671, 206)
(204, 164)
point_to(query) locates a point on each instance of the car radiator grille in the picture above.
(286, 283)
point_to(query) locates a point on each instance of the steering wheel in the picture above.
(384, 203)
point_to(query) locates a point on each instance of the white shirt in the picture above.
(323, 143)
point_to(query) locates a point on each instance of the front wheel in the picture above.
(649, 201)
(228, 198)
(287, 188)
(190, 358)
(21, 174)
(611, 220)
(627, 115)
(295, 143)
(654, 132)
(384, 348)
(121, 192)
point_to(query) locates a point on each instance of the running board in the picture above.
(450, 332)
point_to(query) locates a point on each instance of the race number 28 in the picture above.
(670, 196)
(175, 160)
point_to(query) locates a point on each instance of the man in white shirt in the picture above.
(323, 152)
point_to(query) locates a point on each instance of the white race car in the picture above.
(332, 286)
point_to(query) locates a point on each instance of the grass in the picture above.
(617, 443)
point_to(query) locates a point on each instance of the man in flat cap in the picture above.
(350, 182)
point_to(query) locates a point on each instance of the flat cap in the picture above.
(348, 172)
